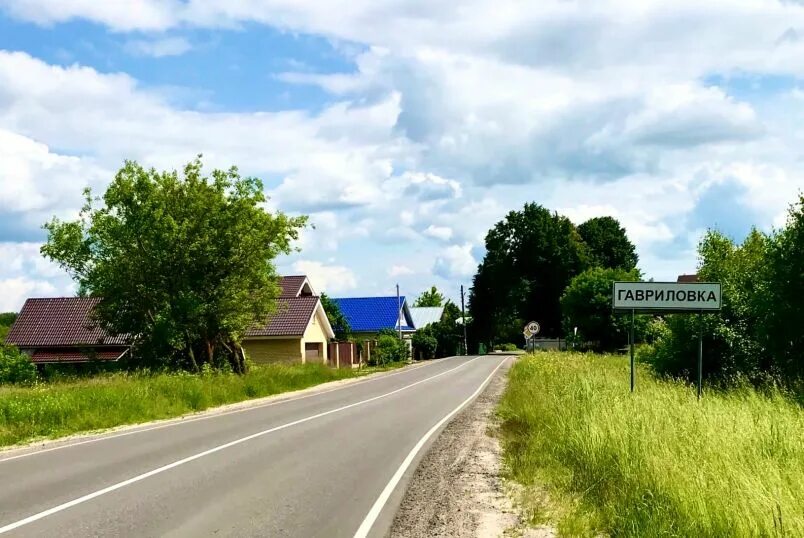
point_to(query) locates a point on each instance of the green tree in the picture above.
(336, 317)
(425, 343)
(185, 263)
(6, 321)
(531, 256)
(431, 297)
(783, 306)
(733, 338)
(586, 304)
(607, 244)
(447, 331)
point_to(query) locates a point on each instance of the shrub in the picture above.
(425, 344)
(389, 349)
(15, 366)
(509, 347)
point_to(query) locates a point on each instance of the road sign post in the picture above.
(667, 298)
(530, 331)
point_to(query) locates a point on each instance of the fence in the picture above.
(342, 355)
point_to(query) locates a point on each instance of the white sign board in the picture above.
(661, 296)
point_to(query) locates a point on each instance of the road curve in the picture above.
(332, 464)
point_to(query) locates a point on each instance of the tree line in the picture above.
(532, 257)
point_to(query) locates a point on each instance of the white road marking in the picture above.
(179, 421)
(379, 504)
(159, 470)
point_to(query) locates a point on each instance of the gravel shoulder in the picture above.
(458, 490)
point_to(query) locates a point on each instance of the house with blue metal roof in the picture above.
(369, 315)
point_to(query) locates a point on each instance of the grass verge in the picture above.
(51, 410)
(596, 459)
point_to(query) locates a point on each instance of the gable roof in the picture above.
(687, 278)
(425, 315)
(370, 314)
(292, 286)
(60, 322)
(291, 318)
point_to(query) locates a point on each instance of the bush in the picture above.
(15, 366)
(424, 344)
(389, 349)
(509, 347)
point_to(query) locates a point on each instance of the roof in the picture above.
(61, 355)
(687, 278)
(291, 286)
(290, 319)
(371, 314)
(60, 322)
(425, 315)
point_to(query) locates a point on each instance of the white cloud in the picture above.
(14, 291)
(443, 233)
(327, 278)
(399, 270)
(159, 48)
(455, 262)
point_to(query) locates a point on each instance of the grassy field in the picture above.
(56, 409)
(596, 459)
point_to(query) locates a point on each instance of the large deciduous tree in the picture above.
(607, 244)
(586, 304)
(530, 258)
(431, 297)
(183, 263)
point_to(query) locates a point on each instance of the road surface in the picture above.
(332, 463)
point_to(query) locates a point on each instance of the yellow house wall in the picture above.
(275, 350)
(315, 335)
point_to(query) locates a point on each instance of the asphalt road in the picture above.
(333, 463)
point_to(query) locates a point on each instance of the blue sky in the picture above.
(407, 129)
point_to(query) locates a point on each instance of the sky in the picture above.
(407, 128)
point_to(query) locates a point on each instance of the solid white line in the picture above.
(211, 414)
(379, 504)
(143, 476)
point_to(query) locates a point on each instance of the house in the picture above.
(687, 279)
(367, 316)
(297, 332)
(61, 330)
(425, 315)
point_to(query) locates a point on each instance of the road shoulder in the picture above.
(458, 489)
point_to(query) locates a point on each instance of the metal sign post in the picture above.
(667, 298)
(530, 331)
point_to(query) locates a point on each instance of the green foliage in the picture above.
(432, 297)
(782, 299)
(653, 463)
(336, 317)
(15, 366)
(185, 263)
(389, 349)
(733, 339)
(105, 401)
(607, 244)
(508, 347)
(447, 331)
(425, 343)
(6, 321)
(586, 304)
(531, 256)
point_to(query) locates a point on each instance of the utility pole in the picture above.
(399, 311)
(463, 314)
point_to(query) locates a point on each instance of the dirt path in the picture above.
(457, 490)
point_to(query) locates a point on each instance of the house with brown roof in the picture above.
(61, 330)
(297, 332)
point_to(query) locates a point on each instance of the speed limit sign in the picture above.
(532, 329)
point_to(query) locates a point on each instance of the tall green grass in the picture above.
(655, 463)
(61, 408)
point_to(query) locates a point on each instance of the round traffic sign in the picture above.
(532, 328)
